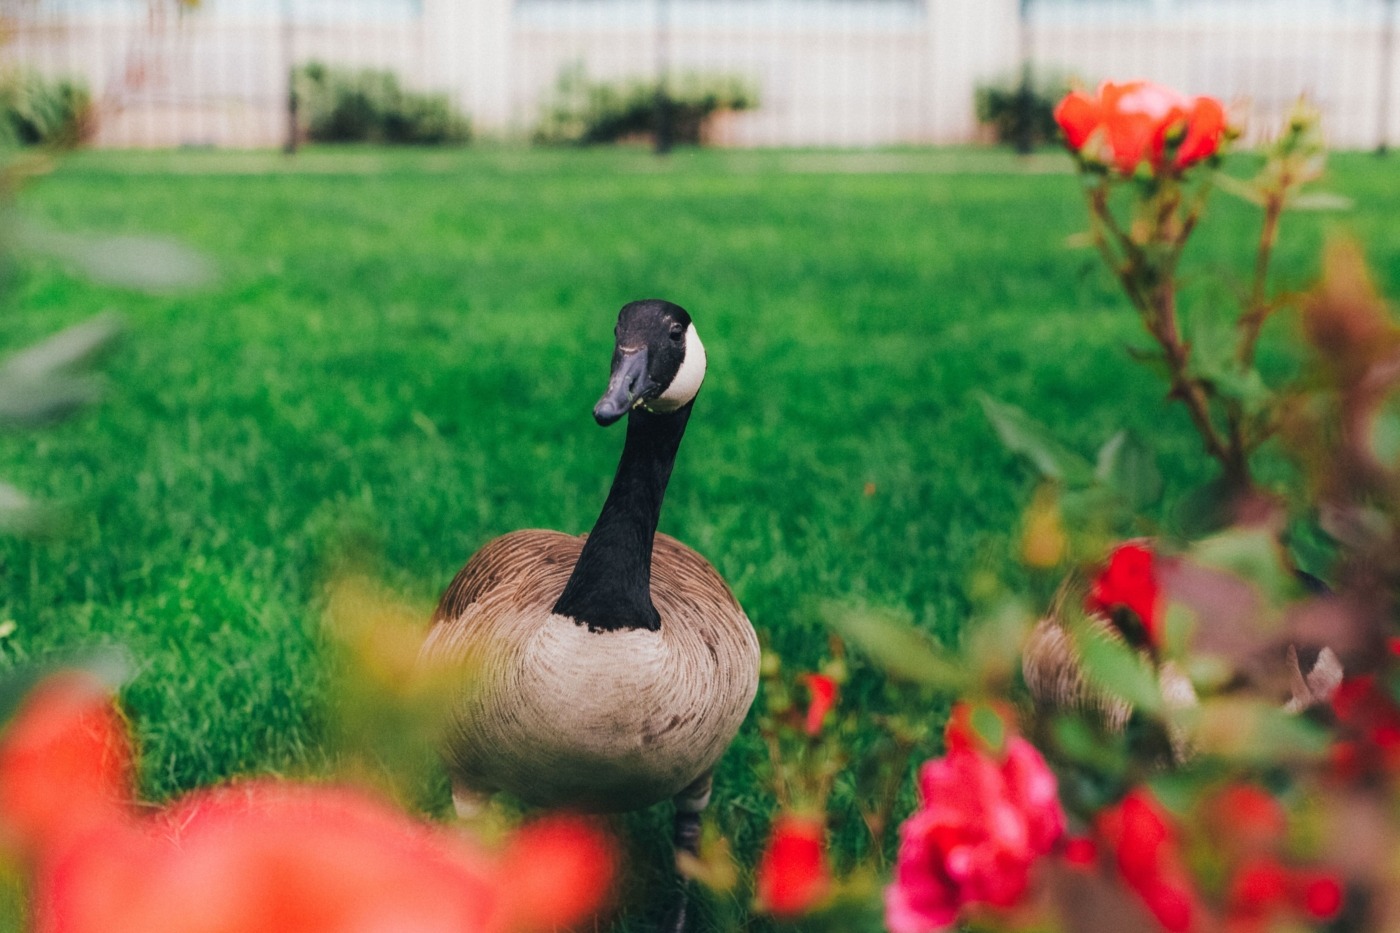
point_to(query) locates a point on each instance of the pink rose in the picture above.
(983, 824)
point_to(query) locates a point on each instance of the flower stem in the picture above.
(1258, 307)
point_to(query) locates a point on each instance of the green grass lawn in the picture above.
(405, 347)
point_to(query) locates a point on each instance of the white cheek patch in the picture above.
(688, 378)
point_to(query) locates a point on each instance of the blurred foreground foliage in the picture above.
(39, 111)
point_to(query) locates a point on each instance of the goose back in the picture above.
(561, 715)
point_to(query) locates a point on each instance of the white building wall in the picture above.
(828, 72)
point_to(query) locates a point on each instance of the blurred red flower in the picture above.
(1124, 125)
(823, 691)
(65, 764)
(982, 824)
(1148, 857)
(1247, 817)
(1257, 891)
(1319, 896)
(793, 873)
(1262, 890)
(259, 855)
(1369, 719)
(555, 872)
(1129, 581)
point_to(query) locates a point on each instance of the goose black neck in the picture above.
(610, 588)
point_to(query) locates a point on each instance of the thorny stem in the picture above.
(877, 819)
(1151, 287)
(775, 757)
(1258, 308)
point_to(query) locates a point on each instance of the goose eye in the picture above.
(677, 332)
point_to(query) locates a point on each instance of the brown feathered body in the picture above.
(1054, 674)
(563, 715)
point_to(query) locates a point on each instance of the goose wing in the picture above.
(522, 569)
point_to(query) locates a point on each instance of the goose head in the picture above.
(658, 361)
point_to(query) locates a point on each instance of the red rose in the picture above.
(1124, 125)
(1129, 581)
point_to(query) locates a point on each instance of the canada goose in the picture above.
(608, 671)
(1054, 674)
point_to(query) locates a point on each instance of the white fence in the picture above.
(828, 72)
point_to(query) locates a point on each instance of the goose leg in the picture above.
(690, 803)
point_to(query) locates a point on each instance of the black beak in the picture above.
(628, 382)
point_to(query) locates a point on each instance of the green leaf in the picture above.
(1022, 435)
(894, 645)
(1256, 732)
(49, 380)
(1244, 190)
(28, 402)
(21, 515)
(1205, 509)
(1321, 201)
(1078, 741)
(1252, 554)
(1128, 466)
(144, 263)
(1117, 669)
(73, 348)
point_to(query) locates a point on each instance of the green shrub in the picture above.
(35, 110)
(341, 105)
(584, 112)
(1020, 108)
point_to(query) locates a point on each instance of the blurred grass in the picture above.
(404, 348)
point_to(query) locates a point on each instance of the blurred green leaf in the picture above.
(1127, 465)
(1213, 358)
(21, 515)
(1254, 731)
(1022, 435)
(1117, 669)
(49, 380)
(1384, 435)
(1321, 201)
(989, 725)
(1252, 554)
(1080, 742)
(894, 645)
(1204, 509)
(1312, 550)
(73, 348)
(144, 263)
(1244, 190)
(26, 403)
